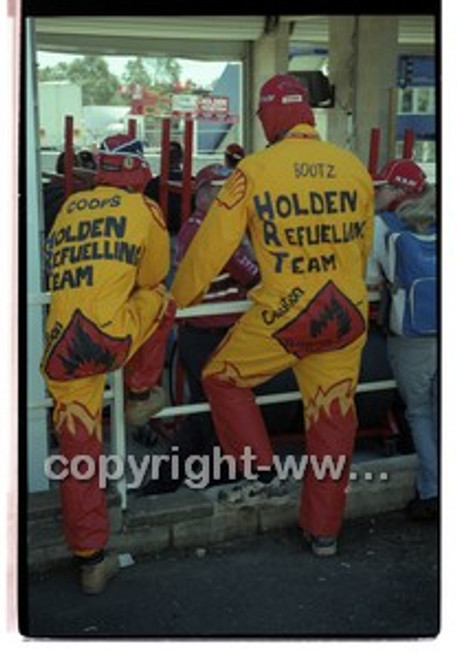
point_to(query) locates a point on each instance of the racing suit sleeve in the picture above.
(185, 238)
(155, 260)
(217, 239)
(243, 268)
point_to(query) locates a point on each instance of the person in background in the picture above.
(175, 173)
(107, 256)
(199, 337)
(87, 159)
(173, 218)
(405, 204)
(311, 236)
(233, 155)
(54, 189)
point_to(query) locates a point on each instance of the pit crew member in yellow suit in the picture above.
(106, 258)
(308, 208)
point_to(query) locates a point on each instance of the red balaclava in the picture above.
(283, 103)
(121, 163)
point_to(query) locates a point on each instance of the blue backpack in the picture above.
(411, 271)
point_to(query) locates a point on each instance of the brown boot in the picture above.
(141, 407)
(95, 577)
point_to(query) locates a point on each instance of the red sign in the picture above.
(213, 106)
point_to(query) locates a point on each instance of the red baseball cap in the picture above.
(283, 89)
(213, 174)
(283, 103)
(402, 173)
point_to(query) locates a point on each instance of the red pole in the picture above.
(187, 169)
(408, 143)
(164, 167)
(68, 159)
(132, 128)
(373, 156)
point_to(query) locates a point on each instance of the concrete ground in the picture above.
(383, 583)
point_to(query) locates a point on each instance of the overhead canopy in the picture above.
(412, 30)
(197, 37)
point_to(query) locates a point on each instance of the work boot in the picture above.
(95, 576)
(142, 405)
(321, 545)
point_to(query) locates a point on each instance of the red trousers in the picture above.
(253, 352)
(77, 418)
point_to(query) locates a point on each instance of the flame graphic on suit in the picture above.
(307, 207)
(120, 316)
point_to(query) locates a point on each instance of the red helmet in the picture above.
(121, 163)
(283, 103)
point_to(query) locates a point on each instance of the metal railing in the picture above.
(115, 394)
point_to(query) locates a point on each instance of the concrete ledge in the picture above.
(141, 541)
(380, 486)
(47, 504)
(43, 504)
(45, 532)
(183, 504)
(278, 514)
(223, 525)
(189, 518)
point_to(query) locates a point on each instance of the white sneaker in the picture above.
(277, 488)
(251, 491)
(246, 491)
(321, 545)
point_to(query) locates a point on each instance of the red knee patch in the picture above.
(83, 350)
(329, 322)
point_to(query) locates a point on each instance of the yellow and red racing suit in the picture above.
(308, 208)
(106, 256)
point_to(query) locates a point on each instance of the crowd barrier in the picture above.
(114, 395)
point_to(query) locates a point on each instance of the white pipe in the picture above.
(210, 309)
(268, 399)
(118, 443)
(115, 395)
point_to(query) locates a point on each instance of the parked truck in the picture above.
(57, 99)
